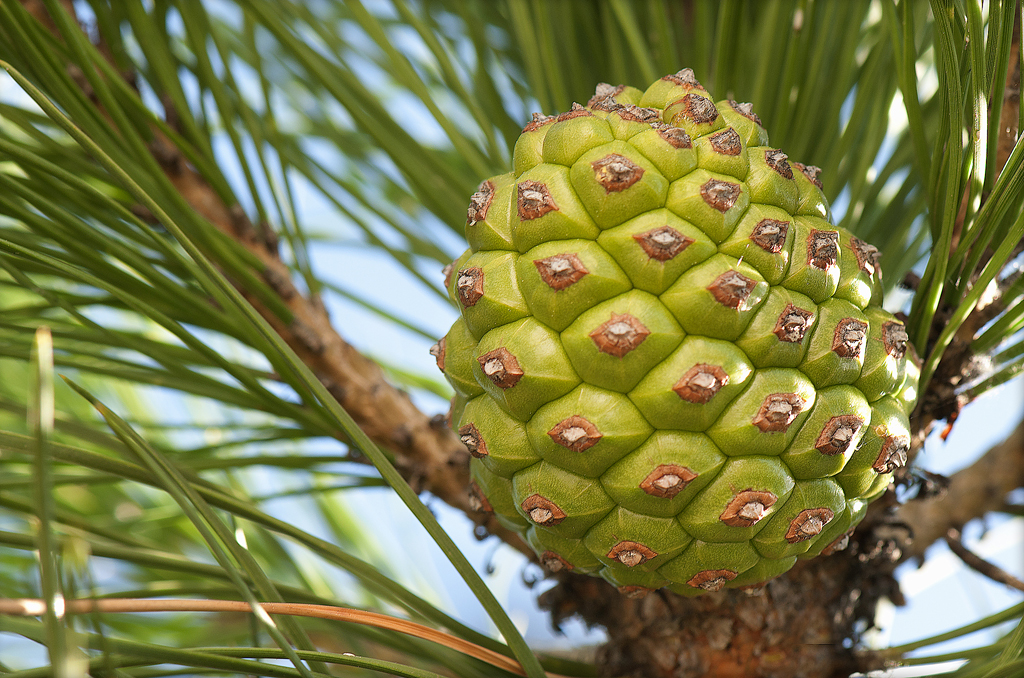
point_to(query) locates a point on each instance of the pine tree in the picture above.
(170, 173)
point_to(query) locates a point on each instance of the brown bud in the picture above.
(777, 412)
(663, 243)
(631, 553)
(619, 335)
(812, 173)
(616, 172)
(554, 562)
(479, 203)
(469, 286)
(474, 442)
(731, 289)
(779, 162)
(893, 454)
(438, 351)
(711, 580)
(720, 195)
(837, 435)
(895, 338)
(700, 383)
(849, 338)
(542, 510)
(575, 433)
(697, 109)
(746, 110)
(534, 200)
(605, 91)
(576, 111)
(501, 367)
(477, 500)
(770, 235)
(538, 121)
(822, 249)
(675, 136)
(808, 524)
(684, 78)
(560, 270)
(867, 255)
(667, 480)
(792, 324)
(726, 142)
(747, 507)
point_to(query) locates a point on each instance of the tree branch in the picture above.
(979, 564)
(972, 492)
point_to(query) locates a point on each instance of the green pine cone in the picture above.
(671, 368)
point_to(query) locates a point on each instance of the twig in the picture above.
(979, 564)
(34, 607)
(972, 492)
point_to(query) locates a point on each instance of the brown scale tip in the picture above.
(469, 286)
(676, 137)
(746, 110)
(746, 508)
(697, 109)
(560, 270)
(554, 562)
(634, 591)
(474, 442)
(667, 480)
(477, 500)
(604, 92)
(849, 338)
(438, 351)
(684, 78)
(895, 338)
(726, 142)
(533, 200)
(631, 553)
(637, 114)
(731, 289)
(837, 435)
(720, 195)
(538, 121)
(663, 243)
(447, 271)
(867, 255)
(575, 433)
(779, 162)
(838, 544)
(711, 580)
(619, 335)
(808, 524)
(700, 383)
(812, 173)
(770, 235)
(576, 111)
(893, 454)
(542, 510)
(616, 172)
(501, 367)
(792, 324)
(480, 203)
(608, 105)
(777, 412)
(822, 249)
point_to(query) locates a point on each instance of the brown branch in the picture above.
(427, 452)
(979, 564)
(972, 492)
